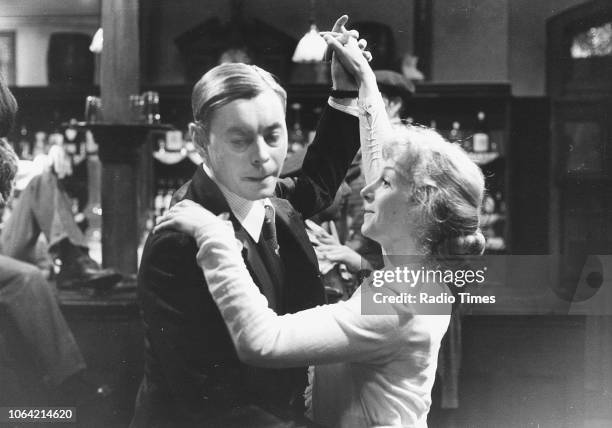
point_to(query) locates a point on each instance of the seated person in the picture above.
(32, 322)
(44, 206)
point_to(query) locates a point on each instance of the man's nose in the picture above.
(260, 153)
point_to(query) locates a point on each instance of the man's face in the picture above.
(247, 145)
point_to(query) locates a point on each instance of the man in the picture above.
(193, 376)
(395, 89)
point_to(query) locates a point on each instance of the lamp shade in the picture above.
(311, 47)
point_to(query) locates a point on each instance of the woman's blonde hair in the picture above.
(446, 186)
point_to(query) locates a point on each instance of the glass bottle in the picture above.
(23, 146)
(481, 134)
(456, 135)
(296, 135)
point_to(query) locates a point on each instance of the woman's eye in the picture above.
(385, 182)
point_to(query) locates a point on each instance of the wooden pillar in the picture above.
(120, 73)
(119, 77)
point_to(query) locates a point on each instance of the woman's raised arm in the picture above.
(374, 124)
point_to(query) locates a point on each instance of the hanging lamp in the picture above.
(311, 47)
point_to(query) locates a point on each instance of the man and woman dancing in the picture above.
(232, 300)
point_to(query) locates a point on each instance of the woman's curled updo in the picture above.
(446, 186)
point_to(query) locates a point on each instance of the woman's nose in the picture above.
(260, 153)
(367, 192)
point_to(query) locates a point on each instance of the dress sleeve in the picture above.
(374, 127)
(324, 334)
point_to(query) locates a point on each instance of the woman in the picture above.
(423, 197)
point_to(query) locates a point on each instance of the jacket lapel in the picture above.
(256, 267)
(203, 190)
(303, 287)
(289, 222)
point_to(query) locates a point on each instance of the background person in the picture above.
(31, 322)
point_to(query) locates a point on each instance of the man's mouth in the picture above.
(259, 178)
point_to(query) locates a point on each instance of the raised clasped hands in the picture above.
(342, 76)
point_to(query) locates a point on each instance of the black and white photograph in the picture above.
(306, 213)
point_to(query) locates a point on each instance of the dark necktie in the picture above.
(268, 229)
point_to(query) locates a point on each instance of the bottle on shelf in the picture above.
(481, 135)
(174, 141)
(40, 144)
(24, 150)
(500, 202)
(297, 138)
(456, 136)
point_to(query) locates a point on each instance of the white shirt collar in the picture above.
(250, 214)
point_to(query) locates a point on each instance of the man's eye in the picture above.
(273, 138)
(239, 143)
(385, 182)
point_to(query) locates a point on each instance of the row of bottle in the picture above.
(76, 143)
(479, 140)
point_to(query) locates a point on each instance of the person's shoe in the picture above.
(83, 271)
(75, 269)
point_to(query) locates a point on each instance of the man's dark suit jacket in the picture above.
(192, 373)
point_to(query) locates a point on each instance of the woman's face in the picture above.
(388, 213)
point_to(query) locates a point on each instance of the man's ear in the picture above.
(194, 131)
(199, 138)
